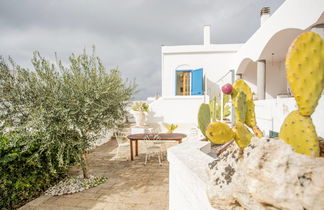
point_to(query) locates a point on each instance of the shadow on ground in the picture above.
(130, 184)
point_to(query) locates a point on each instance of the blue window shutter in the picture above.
(197, 82)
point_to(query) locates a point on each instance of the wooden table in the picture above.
(163, 137)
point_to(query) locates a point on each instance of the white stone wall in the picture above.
(181, 109)
(188, 176)
(270, 114)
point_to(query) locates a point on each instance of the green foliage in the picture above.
(140, 107)
(23, 175)
(67, 107)
(203, 118)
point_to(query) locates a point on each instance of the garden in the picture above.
(51, 117)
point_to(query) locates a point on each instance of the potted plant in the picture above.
(171, 127)
(139, 108)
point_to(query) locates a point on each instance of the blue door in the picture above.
(197, 82)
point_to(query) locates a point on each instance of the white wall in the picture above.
(214, 59)
(270, 114)
(276, 82)
(295, 14)
(178, 109)
(188, 176)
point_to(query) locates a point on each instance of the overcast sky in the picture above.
(128, 34)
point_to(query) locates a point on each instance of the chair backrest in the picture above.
(121, 137)
(151, 137)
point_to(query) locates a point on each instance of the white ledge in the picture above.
(188, 176)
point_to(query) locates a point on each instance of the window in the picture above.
(183, 83)
(189, 82)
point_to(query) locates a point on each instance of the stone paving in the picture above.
(130, 184)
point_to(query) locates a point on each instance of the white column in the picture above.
(261, 79)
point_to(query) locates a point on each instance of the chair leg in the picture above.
(161, 153)
(117, 155)
(145, 159)
(159, 156)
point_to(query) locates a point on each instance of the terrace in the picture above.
(130, 184)
(249, 144)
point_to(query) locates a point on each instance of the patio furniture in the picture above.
(151, 146)
(163, 136)
(122, 141)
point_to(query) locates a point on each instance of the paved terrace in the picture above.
(130, 184)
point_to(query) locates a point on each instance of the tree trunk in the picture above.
(84, 166)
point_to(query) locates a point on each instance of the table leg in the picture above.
(180, 141)
(136, 148)
(131, 150)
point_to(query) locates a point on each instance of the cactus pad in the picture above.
(250, 114)
(242, 135)
(203, 118)
(257, 131)
(299, 132)
(305, 71)
(250, 119)
(240, 107)
(240, 85)
(219, 133)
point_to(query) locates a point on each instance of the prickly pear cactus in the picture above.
(219, 133)
(250, 119)
(240, 85)
(300, 133)
(240, 107)
(305, 65)
(212, 108)
(242, 135)
(203, 118)
(305, 74)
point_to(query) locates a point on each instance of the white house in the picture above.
(259, 61)
(191, 74)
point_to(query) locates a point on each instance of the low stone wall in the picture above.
(188, 176)
(267, 175)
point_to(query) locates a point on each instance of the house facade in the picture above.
(193, 74)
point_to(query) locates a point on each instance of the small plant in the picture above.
(140, 107)
(171, 127)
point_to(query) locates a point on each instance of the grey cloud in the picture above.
(127, 34)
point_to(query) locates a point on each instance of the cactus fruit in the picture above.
(227, 89)
(240, 107)
(203, 118)
(219, 133)
(305, 65)
(305, 74)
(242, 135)
(300, 133)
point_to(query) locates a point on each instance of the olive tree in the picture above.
(65, 107)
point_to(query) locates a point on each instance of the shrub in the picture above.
(23, 175)
(66, 107)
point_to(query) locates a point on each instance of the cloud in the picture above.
(127, 34)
